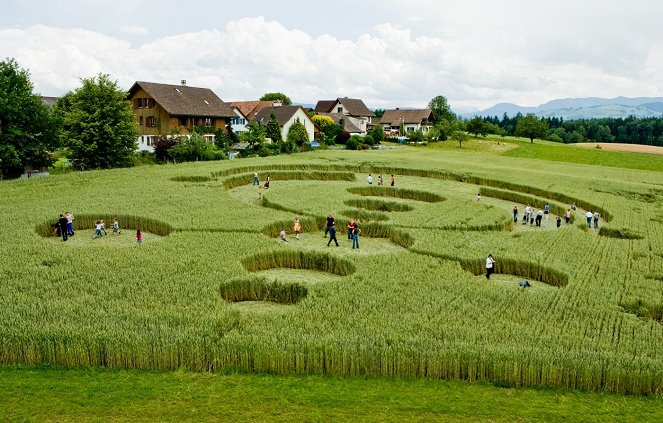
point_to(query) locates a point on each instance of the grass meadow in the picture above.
(212, 290)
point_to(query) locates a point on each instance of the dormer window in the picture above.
(178, 90)
(206, 102)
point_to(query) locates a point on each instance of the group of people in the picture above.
(380, 180)
(330, 228)
(64, 226)
(592, 217)
(256, 180)
(535, 217)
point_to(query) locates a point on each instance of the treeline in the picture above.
(632, 130)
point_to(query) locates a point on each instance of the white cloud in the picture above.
(388, 66)
(134, 30)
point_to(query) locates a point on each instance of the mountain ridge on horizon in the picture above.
(581, 108)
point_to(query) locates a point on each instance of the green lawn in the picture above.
(93, 395)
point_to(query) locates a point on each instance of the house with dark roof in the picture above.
(164, 109)
(286, 116)
(411, 120)
(342, 120)
(246, 111)
(355, 109)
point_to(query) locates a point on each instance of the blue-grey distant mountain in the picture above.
(582, 108)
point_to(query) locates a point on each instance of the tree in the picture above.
(255, 135)
(27, 131)
(273, 129)
(441, 109)
(531, 127)
(297, 134)
(98, 124)
(477, 126)
(284, 99)
(328, 129)
(162, 146)
(377, 132)
(460, 136)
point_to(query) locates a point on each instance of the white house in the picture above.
(355, 109)
(286, 116)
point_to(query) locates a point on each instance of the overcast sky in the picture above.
(389, 53)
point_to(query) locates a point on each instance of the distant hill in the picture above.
(581, 108)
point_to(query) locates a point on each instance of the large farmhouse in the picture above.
(163, 109)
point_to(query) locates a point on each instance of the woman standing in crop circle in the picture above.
(490, 266)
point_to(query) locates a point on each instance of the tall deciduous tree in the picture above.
(441, 109)
(297, 134)
(531, 127)
(273, 130)
(284, 99)
(98, 124)
(26, 128)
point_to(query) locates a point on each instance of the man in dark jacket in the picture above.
(332, 235)
(62, 221)
(330, 223)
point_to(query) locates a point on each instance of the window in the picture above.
(209, 138)
(151, 121)
(182, 121)
(140, 121)
(209, 122)
(149, 103)
(410, 128)
(339, 109)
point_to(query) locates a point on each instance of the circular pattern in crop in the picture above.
(260, 289)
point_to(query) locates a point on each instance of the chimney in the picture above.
(183, 82)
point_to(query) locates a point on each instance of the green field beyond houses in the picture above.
(211, 289)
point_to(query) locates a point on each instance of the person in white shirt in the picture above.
(589, 216)
(370, 180)
(490, 266)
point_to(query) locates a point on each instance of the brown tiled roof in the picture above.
(182, 100)
(396, 117)
(348, 125)
(282, 113)
(356, 107)
(251, 108)
(324, 106)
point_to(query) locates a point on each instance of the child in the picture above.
(103, 227)
(139, 237)
(116, 226)
(351, 226)
(282, 237)
(97, 229)
(297, 227)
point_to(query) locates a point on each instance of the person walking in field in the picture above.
(355, 237)
(116, 226)
(330, 223)
(515, 214)
(103, 227)
(370, 179)
(558, 220)
(546, 210)
(351, 226)
(62, 223)
(256, 181)
(97, 229)
(596, 219)
(393, 181)
(526, 215)
(332, 236)
(139, 237)
(70, 223)
(283, 237)
(567, 216)
(490, 266)
(589, 217)
(380, 180)
(532, 215)
(267, 181)
(297, 226)
(539, 217)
